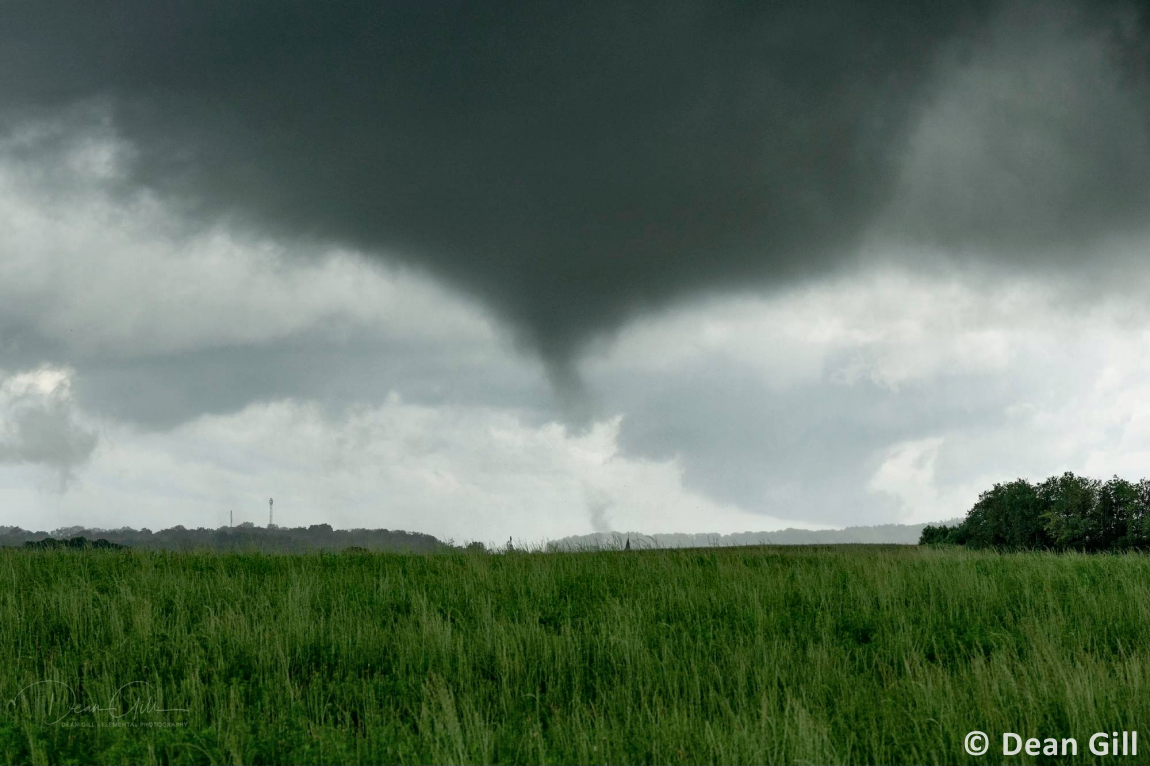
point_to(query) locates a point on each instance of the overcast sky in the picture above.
(485, 270)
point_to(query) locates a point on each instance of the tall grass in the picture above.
(849, 654)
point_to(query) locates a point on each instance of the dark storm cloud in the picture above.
(1035, 147)
(575, 164)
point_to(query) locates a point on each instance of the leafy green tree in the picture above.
(1007, 516)
(936, 535)
(1020, 523)
(1063, 512)
(1072, 518)
(1138, 517)
(1116, 506)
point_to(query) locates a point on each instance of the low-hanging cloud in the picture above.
(39, 425)
(575, 166)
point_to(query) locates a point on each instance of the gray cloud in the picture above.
(47, 435)
(598, 504)
(573, 169)
(871, 397)
(38, 424)
(158, 390)
(800, 453)
(575, 166)
(161, 328)
(1036, 145)
(162, 391)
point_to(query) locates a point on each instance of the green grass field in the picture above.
(848, 654)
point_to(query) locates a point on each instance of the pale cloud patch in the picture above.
(39, 424)
(907, 474)
(889, 326)
(462, 473)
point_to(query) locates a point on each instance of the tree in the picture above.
(1072, 519)
(1007, 516)
(1138, 521)
(937, 535)
(1116, 504)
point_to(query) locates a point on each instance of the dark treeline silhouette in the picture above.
(243, 537)
(1064, 512)
(75, 544)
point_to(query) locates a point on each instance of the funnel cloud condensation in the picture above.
(572, 165)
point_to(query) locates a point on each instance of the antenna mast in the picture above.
(270, 501)
(231, 518)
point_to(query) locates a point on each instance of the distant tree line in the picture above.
(1066, 512)
(243, 537)
(905, 534)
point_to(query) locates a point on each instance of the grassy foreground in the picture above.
(848, 654)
